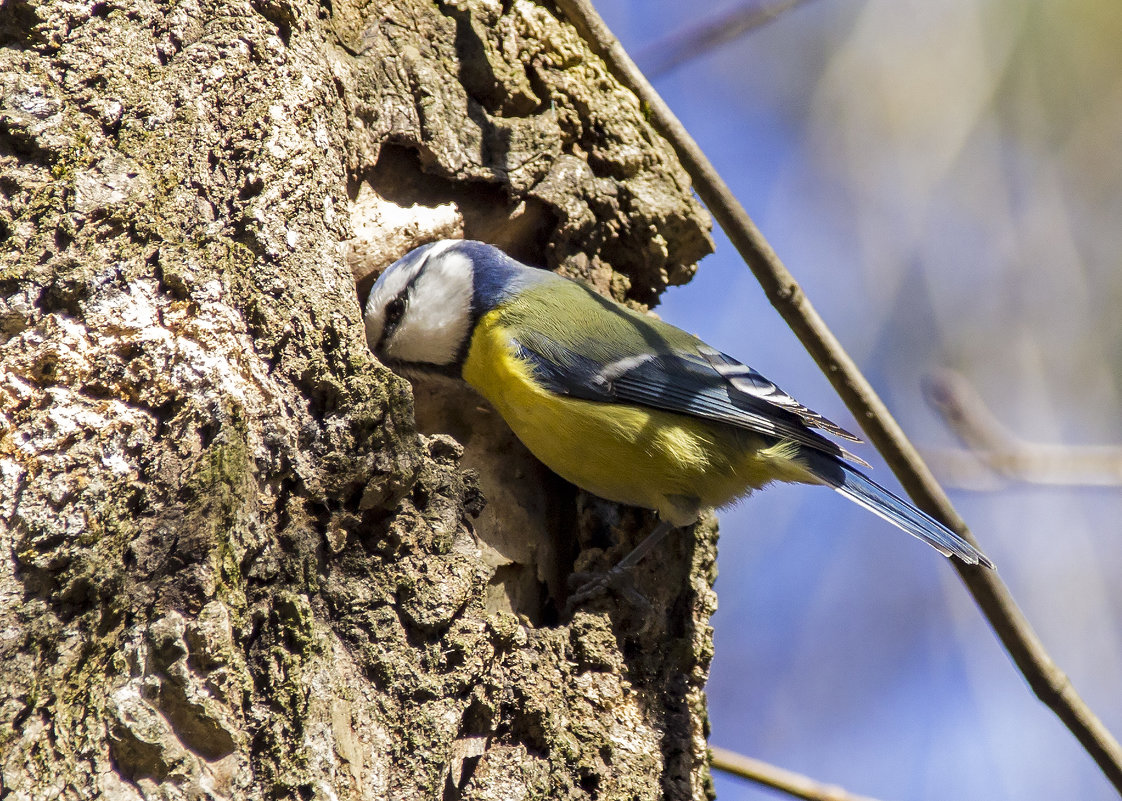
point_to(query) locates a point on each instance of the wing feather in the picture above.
(704, 383)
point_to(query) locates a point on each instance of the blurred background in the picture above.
(945, 180)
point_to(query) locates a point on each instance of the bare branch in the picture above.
(1049, 683)
(991, 445)
(671, 52)
(781, 779)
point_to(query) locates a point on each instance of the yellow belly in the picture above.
(674, 463)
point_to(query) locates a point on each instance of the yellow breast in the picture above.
(636, 455)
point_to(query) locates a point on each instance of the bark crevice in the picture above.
(238, 557)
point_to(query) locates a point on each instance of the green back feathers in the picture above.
(577, 318)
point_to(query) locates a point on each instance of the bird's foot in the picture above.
(619, 581)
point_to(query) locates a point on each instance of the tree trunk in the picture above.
(231, 566)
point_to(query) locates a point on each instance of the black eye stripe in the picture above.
(395, 310)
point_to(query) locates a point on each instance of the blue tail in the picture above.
(862, 490)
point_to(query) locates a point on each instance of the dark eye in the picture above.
(395, 310)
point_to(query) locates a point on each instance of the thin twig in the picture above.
(1049, 683)
(678, 48)
(990, 444)
(781, 779)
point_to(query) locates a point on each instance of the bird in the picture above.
(621, 404)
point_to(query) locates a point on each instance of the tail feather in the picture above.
(865, 492)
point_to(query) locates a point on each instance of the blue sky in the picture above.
(941, 180)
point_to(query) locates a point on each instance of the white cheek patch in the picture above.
(437, 320)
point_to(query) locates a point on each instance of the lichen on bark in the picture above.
(231, 566)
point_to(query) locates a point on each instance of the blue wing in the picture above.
(713, 386)
(705, 383)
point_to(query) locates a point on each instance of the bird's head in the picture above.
(423, 308)
(419, 310)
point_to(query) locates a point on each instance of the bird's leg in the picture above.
(643, 548)
(596, 586)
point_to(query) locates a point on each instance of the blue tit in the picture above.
(623, 405)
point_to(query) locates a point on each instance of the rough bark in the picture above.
(230, 566)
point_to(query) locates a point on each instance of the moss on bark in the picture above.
(231, 566)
